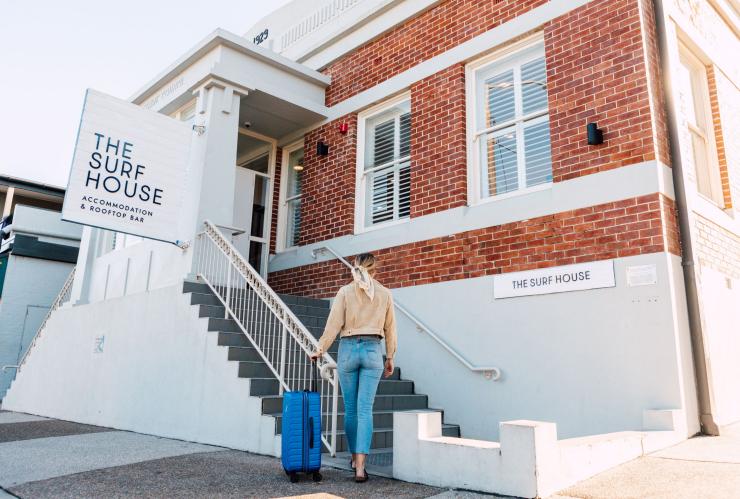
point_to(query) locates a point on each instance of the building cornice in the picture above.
(220, 37)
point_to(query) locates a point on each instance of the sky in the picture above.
(52, 50)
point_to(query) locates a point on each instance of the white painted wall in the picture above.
(31, 285)
(590, 361)
(720, 301)
(160, 373)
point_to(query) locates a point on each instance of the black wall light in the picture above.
(594, 134)
(322, 149)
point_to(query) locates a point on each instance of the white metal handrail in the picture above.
(490, 372)
(61, 299)
(280, 339)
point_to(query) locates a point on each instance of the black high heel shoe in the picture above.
(363, 478)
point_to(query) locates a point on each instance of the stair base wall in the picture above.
(160, 372)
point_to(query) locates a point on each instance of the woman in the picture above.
(363, 313)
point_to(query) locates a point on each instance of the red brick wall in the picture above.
(328, 183)
(438, 157)
(624, 228)
(438, 29)
(276, 199)
(660, 119)
(596, 71)
(724, 173)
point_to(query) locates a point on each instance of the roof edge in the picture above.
(222, 37)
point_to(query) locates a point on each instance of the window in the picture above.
(697, 129)
(384, 167)
(293, 192)
(511, 127)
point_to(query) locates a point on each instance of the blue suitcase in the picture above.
(301, 435)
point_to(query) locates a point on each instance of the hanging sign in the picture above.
(128, 169)
(591, 275)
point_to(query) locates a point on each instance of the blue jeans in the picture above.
(360, 365)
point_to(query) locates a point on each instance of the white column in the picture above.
(212, 168)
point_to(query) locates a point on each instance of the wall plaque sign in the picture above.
(578, 277)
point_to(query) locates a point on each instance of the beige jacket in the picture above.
(353, 313)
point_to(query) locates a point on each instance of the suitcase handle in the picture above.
(310, 432)
(313, 384)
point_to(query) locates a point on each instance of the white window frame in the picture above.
(530, 47)
(700, 90)
(282, 228)
(360, 182)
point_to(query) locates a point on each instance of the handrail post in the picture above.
(334, 410)
(228, 286)
(283, 348)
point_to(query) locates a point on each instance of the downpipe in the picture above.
(701, 363)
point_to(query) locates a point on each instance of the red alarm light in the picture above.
(343, 128)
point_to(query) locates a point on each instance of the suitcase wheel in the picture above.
(293, 477)
(316, 476)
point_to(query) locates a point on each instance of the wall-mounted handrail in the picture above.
(490, 372)
(61, 299)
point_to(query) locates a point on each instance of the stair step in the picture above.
(259, 369)
(381, 419)
(250, 353)
(223, 325)
(383, 437)
(309, 311)
(273, 404)
(204, 298)
(232, 339)
(259, 319)
(196, 287)
(271, 386)
(304, 300)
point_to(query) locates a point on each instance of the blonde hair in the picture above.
(366, 260)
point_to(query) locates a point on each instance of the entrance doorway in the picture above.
(252, 198)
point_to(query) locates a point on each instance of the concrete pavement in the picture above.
(47, 458)
(699, 468)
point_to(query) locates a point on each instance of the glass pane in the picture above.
(404, 189)
(381, 131)
(294, 222)
(405, 133)
(537, 153)
(534, 86)
(255, 254)
(294, 176)
(703, 178)
(686, 94)
(380, 195)
(500, 166)
(258, 207)
(384, 143)
(500, 97)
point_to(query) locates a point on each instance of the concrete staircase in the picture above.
(394, 393)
